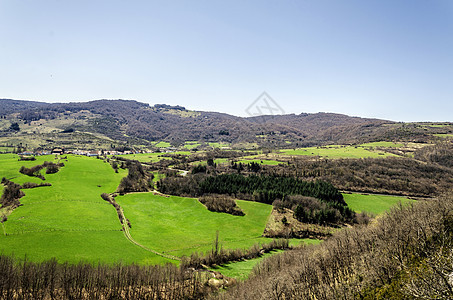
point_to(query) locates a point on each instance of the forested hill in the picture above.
(125, 119)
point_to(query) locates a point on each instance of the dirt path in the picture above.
(127, 234)
(182, 172)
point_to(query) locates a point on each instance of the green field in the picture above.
(261, 161)
(383, 144)
(218, 145)
(6, 149)
(162, 145)
(180, 226)
(145, 157)
(69, 220)
(436, 125)
(191, 145)
(444, 135)
(336, 152)
(242, 269)
(376, 204)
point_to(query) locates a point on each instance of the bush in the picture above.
(221, 203)
(11, 194)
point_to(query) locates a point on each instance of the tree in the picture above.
(285, 221)
(14, 127)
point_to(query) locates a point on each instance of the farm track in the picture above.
(128, 236)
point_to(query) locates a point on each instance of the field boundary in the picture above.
(128, 236)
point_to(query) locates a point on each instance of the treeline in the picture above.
(314, 211)
(266, 189)
(51, 280)
(219, 255)
(137, 179)
(405, 254)
(441, 153)
(326, 205)
(35, 171)
(12, 191)
(221, 203)
(11, 194)
(391, 175)
(111, 199)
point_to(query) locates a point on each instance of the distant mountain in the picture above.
(127, 119)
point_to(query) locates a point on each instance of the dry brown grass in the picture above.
(293, 228)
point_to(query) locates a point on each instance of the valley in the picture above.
(76, 190)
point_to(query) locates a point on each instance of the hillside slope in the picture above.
(135, 122)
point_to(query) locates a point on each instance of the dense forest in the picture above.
(266, 189)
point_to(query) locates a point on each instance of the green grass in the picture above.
(191, 145)
(145, 157)
(218, 145)
(6, 149)
(436, 125)
(336, 152)
(158, 176)
(162, 145)
(69, 220)
(242, 269)
(66, 246)
(179, 226)
(261, 161)
(383, 144)
(376, 204)
(444, 135)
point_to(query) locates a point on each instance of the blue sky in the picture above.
(384, 59)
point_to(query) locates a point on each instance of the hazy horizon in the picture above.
(243, 116)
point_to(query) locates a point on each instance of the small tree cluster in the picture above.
(137, 180)
(110, 199)
(221, 203)
(26, 158)
(11, 194)
(199, 169)
(35, 171)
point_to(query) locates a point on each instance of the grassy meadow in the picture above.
(180, 226)
(337, 152)
(71, 222)
(145, 157)
(376, 204)
(68, 220)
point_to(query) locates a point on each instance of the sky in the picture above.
(383, 59)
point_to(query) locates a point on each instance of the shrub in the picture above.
(221, 203)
